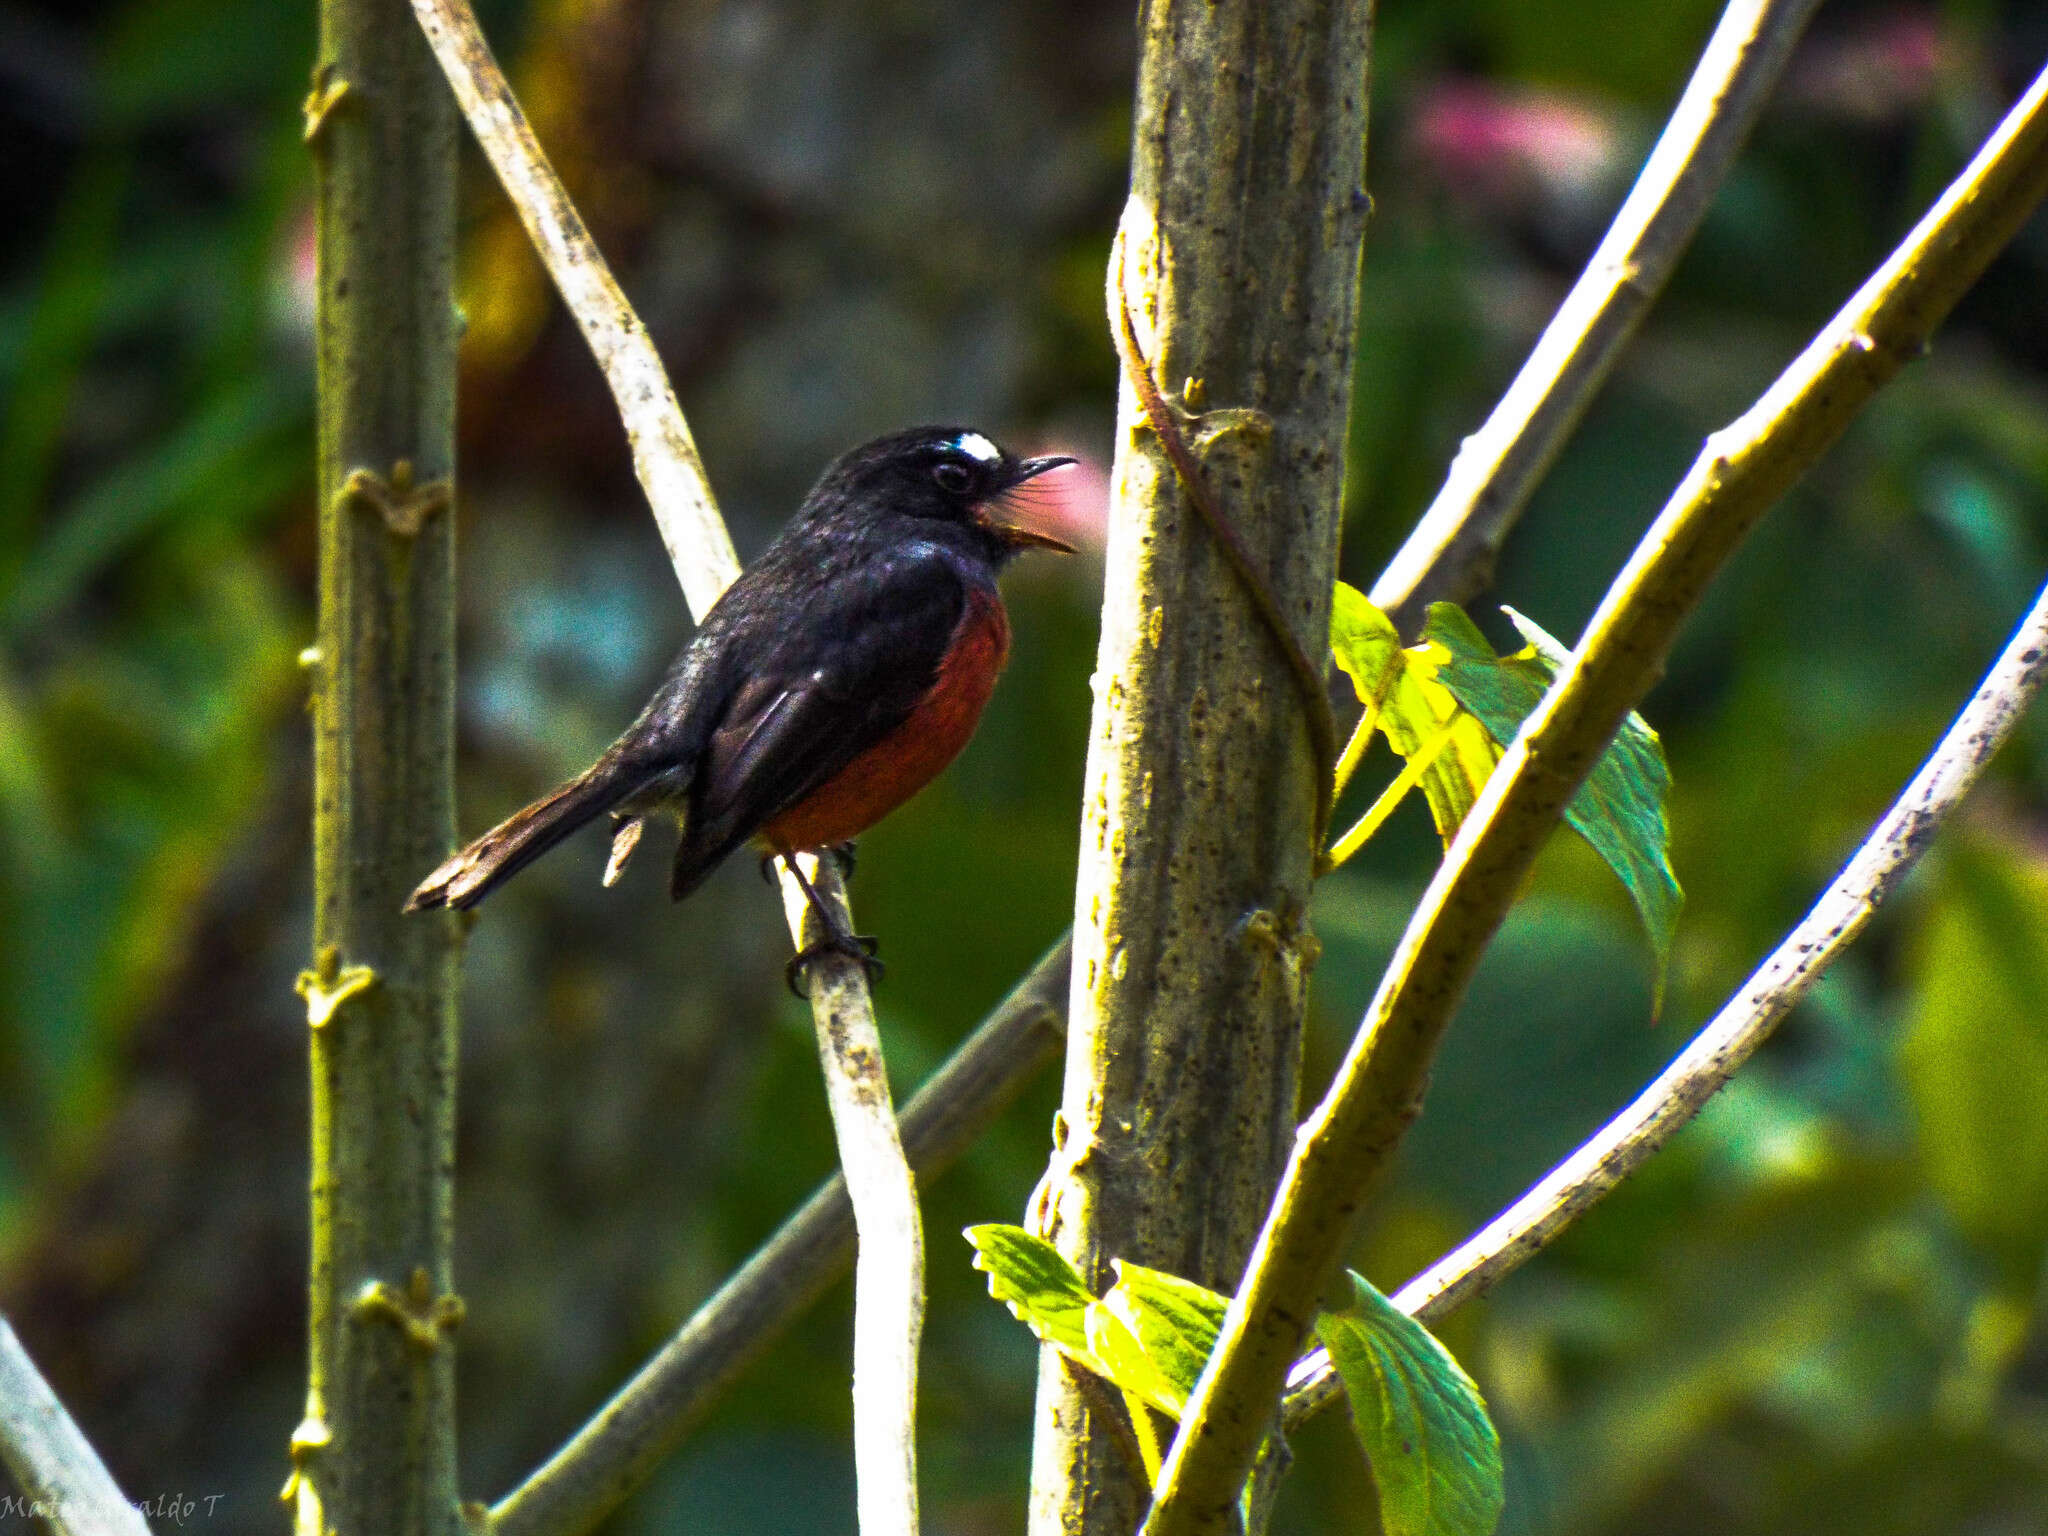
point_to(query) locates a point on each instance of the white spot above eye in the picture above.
(975, 446)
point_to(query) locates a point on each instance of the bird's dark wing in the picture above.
(840, 676)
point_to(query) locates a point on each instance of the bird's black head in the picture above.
(951, 475)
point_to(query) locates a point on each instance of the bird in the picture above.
(834, 679)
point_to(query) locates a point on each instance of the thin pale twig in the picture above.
(888, 1266)
(664, 453)
(60, 1475)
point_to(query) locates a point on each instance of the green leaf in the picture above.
(1035, 1281)
(1150, 1335)
(1363, 639)
(1407, 703)
(1154, 1332)
(1621, 808)
(1434, 1452)
(1975, 1054)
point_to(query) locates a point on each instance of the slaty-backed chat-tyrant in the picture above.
(832, 681)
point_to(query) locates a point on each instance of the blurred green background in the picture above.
(1819, 1312)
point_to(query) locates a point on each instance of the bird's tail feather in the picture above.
(466, 877)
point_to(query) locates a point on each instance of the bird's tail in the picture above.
(466, 877)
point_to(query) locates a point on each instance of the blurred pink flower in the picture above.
(1883, 70)
(1513, 144)
(294, 276)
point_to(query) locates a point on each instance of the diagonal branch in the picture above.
(1743, 470)
(1451, 551)
(60, 1475)
(664, 454)
(1626, 1142)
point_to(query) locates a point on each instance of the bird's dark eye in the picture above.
(952, 478)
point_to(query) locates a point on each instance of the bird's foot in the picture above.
(854, 946)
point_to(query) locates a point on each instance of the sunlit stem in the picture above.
(1392, 795)
(1355, 748)
(1148, 1436)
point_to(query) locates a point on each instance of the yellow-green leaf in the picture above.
(1621, 808)
(1364, 641)
(1406, 702)
(1150, 1335)
(1154, 1332)
(1424, 1426)
(1035, 1281)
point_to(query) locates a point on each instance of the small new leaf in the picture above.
(1150, 1335)
(1035, 1281)
(1364, 641)
(1621, 808)
(1407, 703)
(1154, 1332)
(1434, 1452)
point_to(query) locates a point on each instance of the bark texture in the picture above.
(376, 1449)
(1241, 244)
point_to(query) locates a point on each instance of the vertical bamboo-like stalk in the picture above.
(1241, 241)
(376, 1449)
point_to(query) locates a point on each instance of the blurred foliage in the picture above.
(1819, 1311)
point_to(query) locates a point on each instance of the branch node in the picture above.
(311, 1437)
(1283, 936)
(422, 1318)
(1166, 421)
(403, 502)
(329, 984)
(329, 91)
(1214, 427)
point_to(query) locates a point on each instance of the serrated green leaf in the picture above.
(1153, 1332)
(1363, 640)
(1411, 708)
(1424, 1426)
(1150, 1335)
(1035, 1281)
(1621, 808)
(1117, 1354)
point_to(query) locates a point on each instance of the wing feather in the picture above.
(842, 677)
